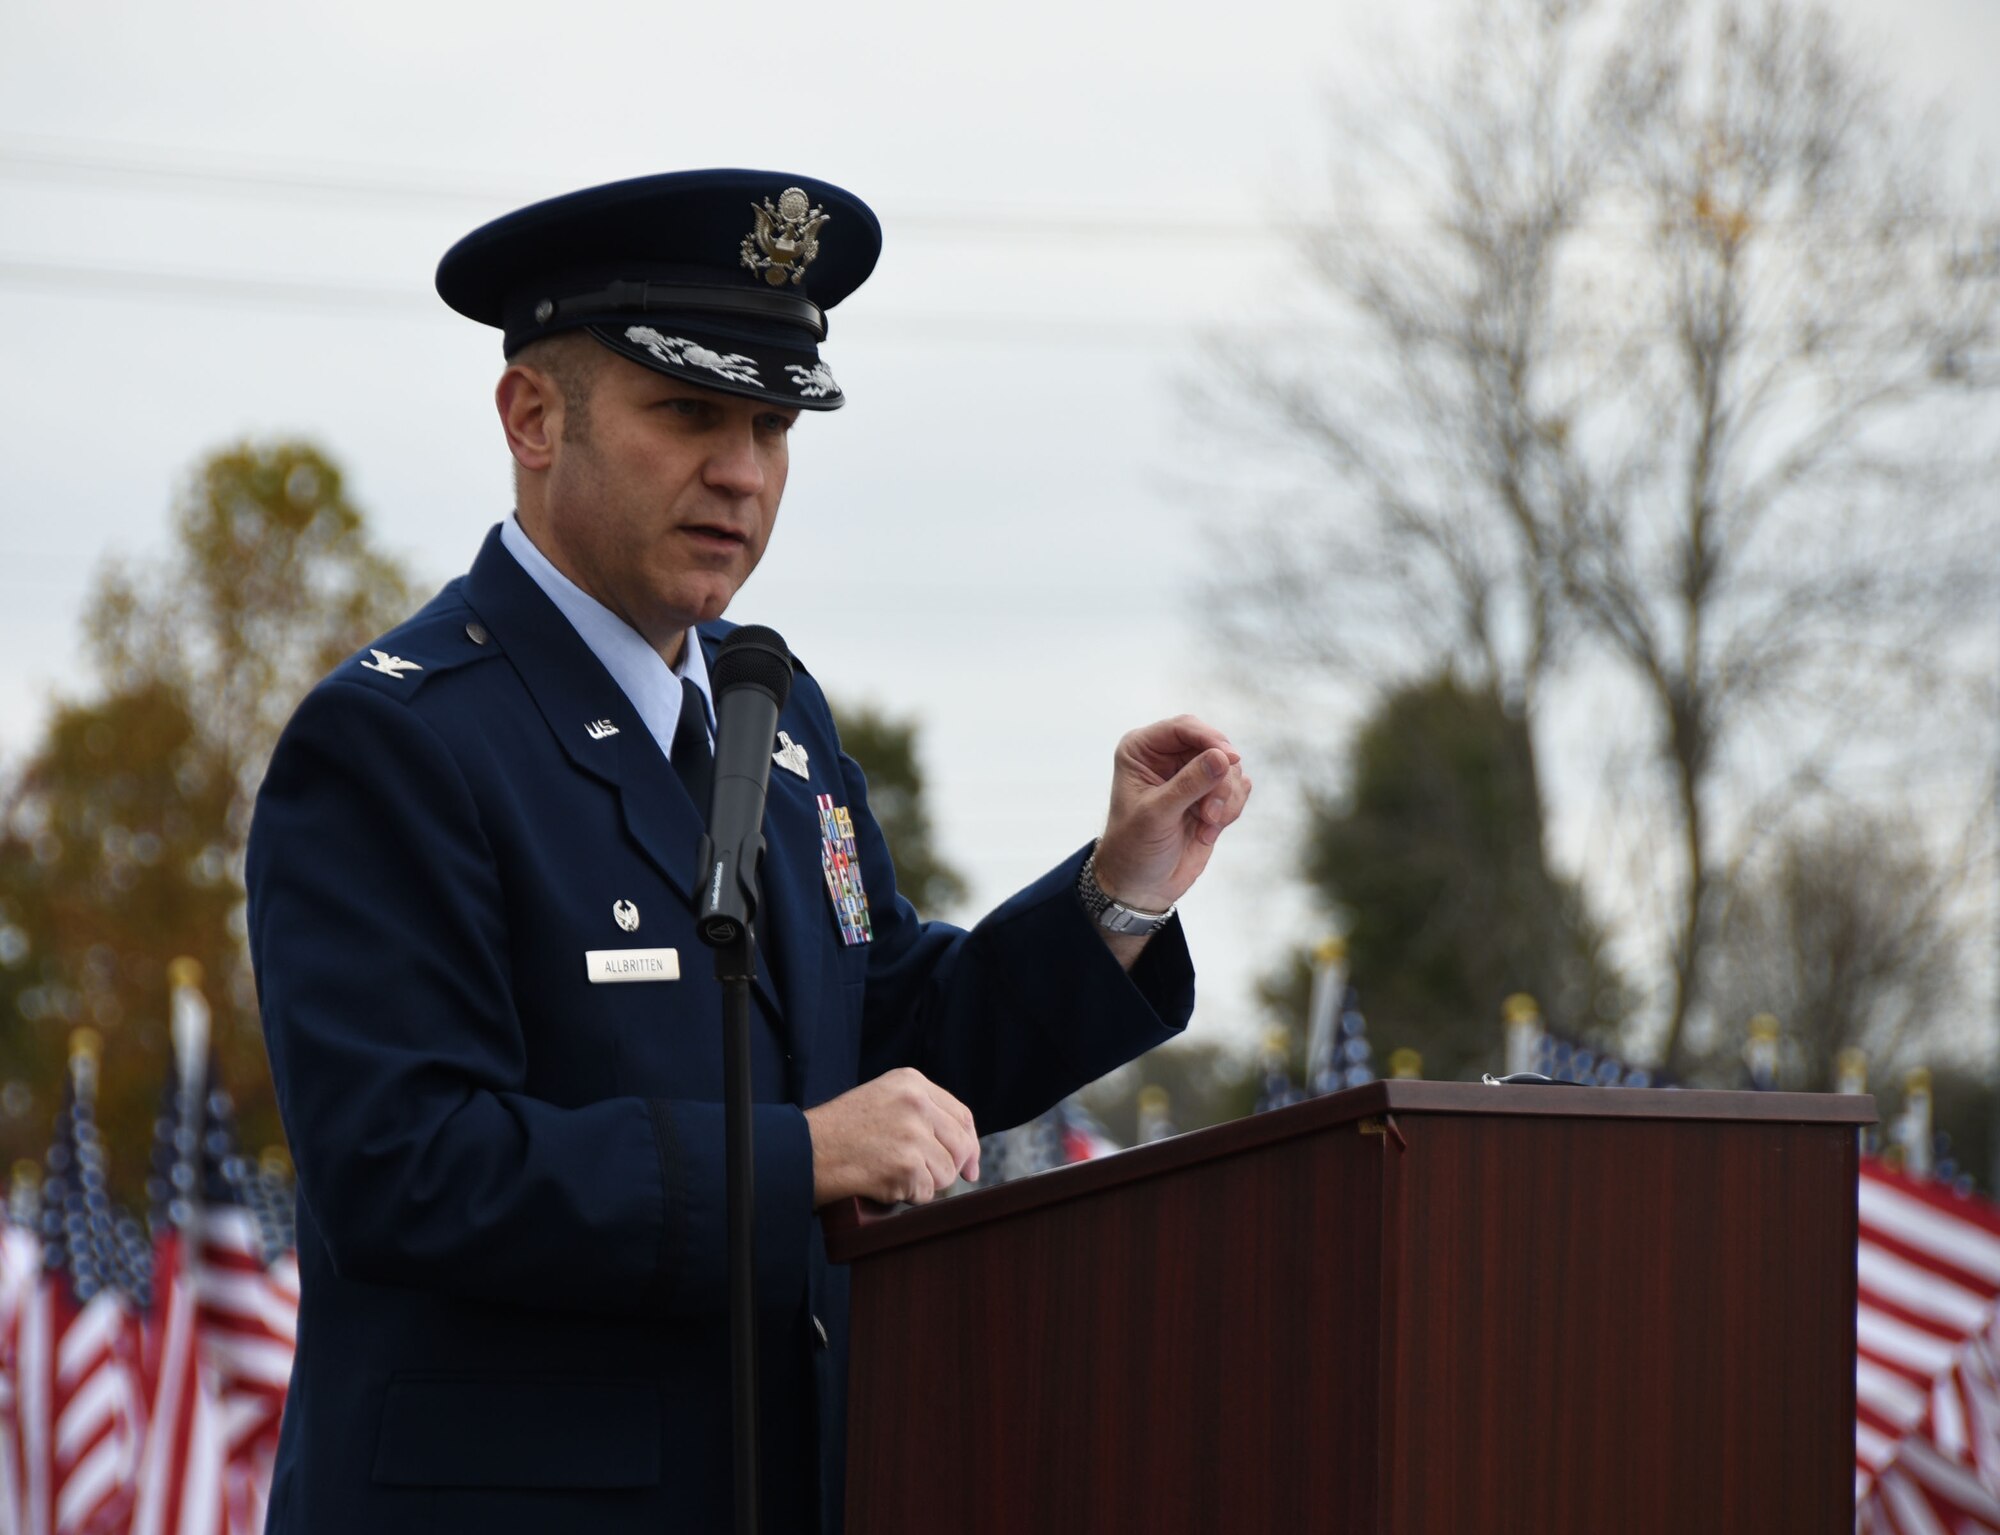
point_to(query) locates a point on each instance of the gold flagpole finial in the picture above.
(185, 971)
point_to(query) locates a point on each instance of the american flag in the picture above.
(1066, 1133)
(1079, 1135)
(1927, 1375)
(247, 1316)
(77, 1418)
(20, 1269)
(226, 1298)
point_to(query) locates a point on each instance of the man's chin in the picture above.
(706, 602)
(713, 608)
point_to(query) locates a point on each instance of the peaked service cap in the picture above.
(719, 277)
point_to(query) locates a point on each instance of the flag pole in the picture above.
(190, 1024)
(174, 1388)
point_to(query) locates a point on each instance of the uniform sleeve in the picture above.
(378, 934)
(1023, 1009)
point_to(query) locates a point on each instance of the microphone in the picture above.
(752, 679)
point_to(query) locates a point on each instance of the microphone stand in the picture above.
(752, 676)
(735, 964)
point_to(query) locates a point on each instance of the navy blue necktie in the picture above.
(692, 757)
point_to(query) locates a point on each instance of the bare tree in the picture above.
(1657, 349)
(1849, 935)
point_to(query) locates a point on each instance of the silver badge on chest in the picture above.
(626, 915)
(791, 756)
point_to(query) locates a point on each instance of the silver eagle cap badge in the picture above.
(785, 238)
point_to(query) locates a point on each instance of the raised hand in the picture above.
(1175, 786)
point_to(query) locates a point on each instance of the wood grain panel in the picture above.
(1165, 1357)
(1651, 1335)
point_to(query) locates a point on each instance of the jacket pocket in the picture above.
(468, 1432)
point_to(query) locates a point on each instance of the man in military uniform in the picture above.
(471, 876)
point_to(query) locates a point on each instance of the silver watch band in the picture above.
(1115, 916)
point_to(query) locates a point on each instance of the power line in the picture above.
(990, 327)
(281, 292)
(328, 296)
(118, 165)
(26, 157)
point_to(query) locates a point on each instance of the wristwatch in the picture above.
(1115, 916)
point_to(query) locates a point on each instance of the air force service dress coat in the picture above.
(511, 1229)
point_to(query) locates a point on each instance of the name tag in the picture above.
(607, 965)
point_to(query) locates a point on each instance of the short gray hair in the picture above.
(574, 360)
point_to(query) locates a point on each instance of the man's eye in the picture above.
(775, 422)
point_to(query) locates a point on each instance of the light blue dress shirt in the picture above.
(653, 687)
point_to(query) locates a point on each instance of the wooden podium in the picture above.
(1429, 1308)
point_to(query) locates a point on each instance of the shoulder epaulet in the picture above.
(442, 636)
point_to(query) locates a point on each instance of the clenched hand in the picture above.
(900, 1139)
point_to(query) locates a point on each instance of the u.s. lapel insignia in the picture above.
(840, 862)
(626, 915)
(791, 756)
(785, 238)
(388, 665)
(601, 729)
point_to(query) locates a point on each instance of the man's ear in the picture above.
(531, 414)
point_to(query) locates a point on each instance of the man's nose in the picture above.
(734, 462)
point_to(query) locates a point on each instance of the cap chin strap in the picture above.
(627, 298)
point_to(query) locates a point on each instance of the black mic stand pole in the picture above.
(735, 963)
(752, 676)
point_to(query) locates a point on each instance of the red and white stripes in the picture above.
(249, 1318)
(1927, 1370)
(227, 1331)
(78, 1419)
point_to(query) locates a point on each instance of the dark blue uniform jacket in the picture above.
(511, 1179)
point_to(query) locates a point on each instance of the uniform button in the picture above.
(819, 1327)
(476, 632)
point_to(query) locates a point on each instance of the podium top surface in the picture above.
(853, 1233)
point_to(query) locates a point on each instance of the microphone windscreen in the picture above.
(754, 656)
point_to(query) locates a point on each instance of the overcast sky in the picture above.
(220, 221)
